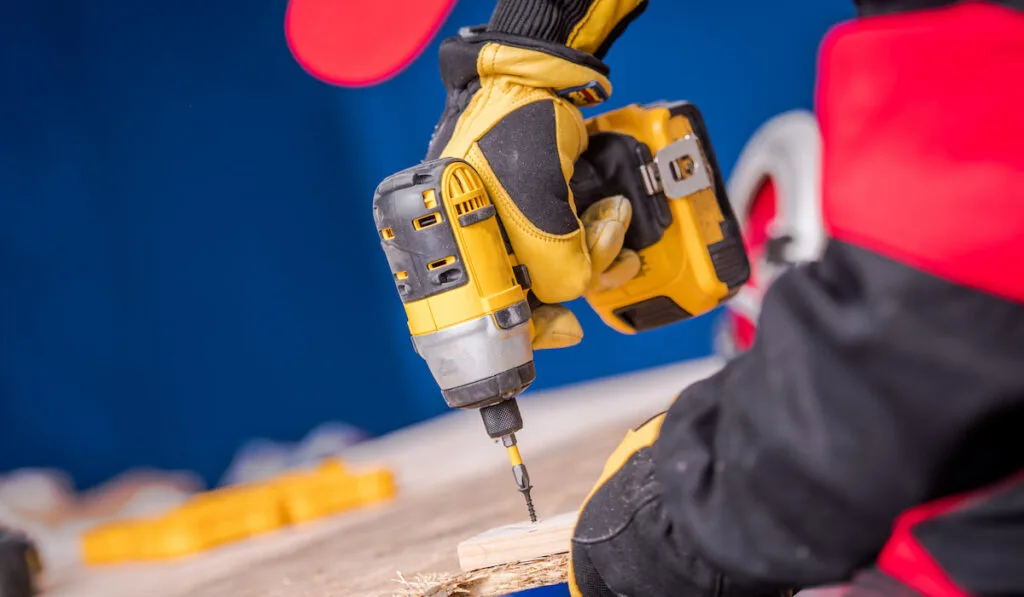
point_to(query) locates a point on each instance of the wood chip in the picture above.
(519, 542)
(489, 582)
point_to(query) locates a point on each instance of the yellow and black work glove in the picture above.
(515, 89)
(624, 543)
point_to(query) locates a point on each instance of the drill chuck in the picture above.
(502, 419)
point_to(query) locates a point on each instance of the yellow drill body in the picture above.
(481, 256)
(466, 306)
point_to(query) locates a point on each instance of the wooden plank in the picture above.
(454, 484)
(490, 582)
(362, 554)
(517, 542)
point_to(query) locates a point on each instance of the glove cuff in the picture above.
(589, 26)
(476, 53)
(481, 34)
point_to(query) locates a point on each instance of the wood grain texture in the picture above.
(491, 582)
(454, 484)
(518, 542)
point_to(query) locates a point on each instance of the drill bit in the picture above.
(519, 472)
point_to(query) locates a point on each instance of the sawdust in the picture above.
(488, 582)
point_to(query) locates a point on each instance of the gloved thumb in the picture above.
(605, 224)
(555, 326)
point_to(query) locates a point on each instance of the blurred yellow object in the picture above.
(230, 514)
(112, 542)
(375, 486)
(170, 537)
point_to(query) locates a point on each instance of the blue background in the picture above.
(187, 255)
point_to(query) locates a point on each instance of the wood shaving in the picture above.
(488, 582)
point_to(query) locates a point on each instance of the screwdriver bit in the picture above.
(519, 472)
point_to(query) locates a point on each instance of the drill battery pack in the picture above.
(683, 228)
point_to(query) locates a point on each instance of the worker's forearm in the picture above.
(562, 21)
(870, 389)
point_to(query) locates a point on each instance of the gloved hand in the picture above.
(513, 112)
(625, 545)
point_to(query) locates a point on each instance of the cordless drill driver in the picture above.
(466, 296)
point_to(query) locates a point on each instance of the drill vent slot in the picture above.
(470, 205)
(450, 276)
(466, 189)
(462, 180)
(441, 262)
(426, 221)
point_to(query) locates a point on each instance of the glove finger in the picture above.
(605, 223)
(555, 326)
(624, 268)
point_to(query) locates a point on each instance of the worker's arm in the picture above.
(889, 373)
(872, 387)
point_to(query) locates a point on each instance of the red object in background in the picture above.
(755, 236)
(774, 189)
(743, 330)
(884, 84)
(760, 216)
(360, 43)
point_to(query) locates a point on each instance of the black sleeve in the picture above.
(547, 20)
(868, 8)
(554, 20)
(871, 387)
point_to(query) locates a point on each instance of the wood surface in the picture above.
(491, 582)
(517, 542)
(363, 554)
(454, 483)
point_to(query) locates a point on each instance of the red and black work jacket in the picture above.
(877, 423)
